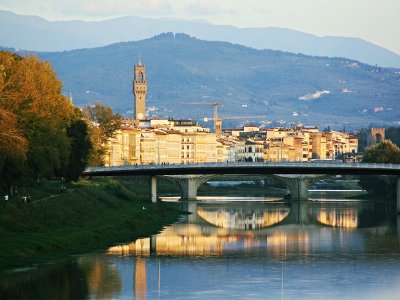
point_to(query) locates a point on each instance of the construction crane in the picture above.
(235, 118)
(217, 119)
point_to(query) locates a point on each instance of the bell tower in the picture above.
(140, 90)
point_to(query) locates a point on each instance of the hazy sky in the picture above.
(377, 21)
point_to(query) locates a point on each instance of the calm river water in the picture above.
(239, 248)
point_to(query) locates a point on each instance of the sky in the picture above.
(377, 21)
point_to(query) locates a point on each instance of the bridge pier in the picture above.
(299, 184)
(191, 207)
(189, 184)
(153, 244)
(299, 213)
(153, 188)
(398, 194)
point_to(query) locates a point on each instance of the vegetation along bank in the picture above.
(89, 215)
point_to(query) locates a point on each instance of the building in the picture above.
(254, 151)
(140, 90)
(170, 141)
(375, 136)
(162, 144)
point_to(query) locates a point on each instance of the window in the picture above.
(140, 77)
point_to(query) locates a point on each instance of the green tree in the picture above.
(79, 153)
(34, 120)
(385, 152)
(107, 121)
(98, 152)
(104, 126)
(382, 186)
(48, 148)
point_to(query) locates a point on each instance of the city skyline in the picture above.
(375, 21)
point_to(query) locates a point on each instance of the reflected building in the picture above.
(138, 247)
(345, 218)
(247, 220)
(283, 241)
(218, 228)
(140, 279)
(104, 280)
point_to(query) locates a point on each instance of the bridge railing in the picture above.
(330, 165)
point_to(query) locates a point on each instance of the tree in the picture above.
(80, 148)
(98, 151)
(34, 117)
(12, 142)
(385, 152)
(104, 126)
(104, 117)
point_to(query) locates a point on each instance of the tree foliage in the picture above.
(12, 142)
(105, 119)
(104, 126)
(41, 134)
(385, 152)
(81, 145)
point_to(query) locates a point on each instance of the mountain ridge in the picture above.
(279, 85)
(38, 34)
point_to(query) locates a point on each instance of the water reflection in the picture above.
(140, 279)
(216, 228)
(307, 250)
(287, 249)
(240, 216)
(65, 280)
(347, 218)
(103, 279)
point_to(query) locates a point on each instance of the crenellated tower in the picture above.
(140, 90)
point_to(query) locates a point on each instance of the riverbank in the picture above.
(90, 215)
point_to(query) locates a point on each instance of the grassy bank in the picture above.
(91, 215)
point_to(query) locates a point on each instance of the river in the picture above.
(237, 248)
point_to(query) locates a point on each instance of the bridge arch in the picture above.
(189, 184)
(299, 184)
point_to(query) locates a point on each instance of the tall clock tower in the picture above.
(140, 90)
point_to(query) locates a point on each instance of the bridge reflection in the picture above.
(276, 226)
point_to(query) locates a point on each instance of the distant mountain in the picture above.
(279, 85)
(35, 33)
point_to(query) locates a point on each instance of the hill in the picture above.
(282, 86)
(37, 34)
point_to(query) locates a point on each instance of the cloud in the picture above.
(204, 7)
(124, 7)
(91, 8)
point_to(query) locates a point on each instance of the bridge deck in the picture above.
(249, 168)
